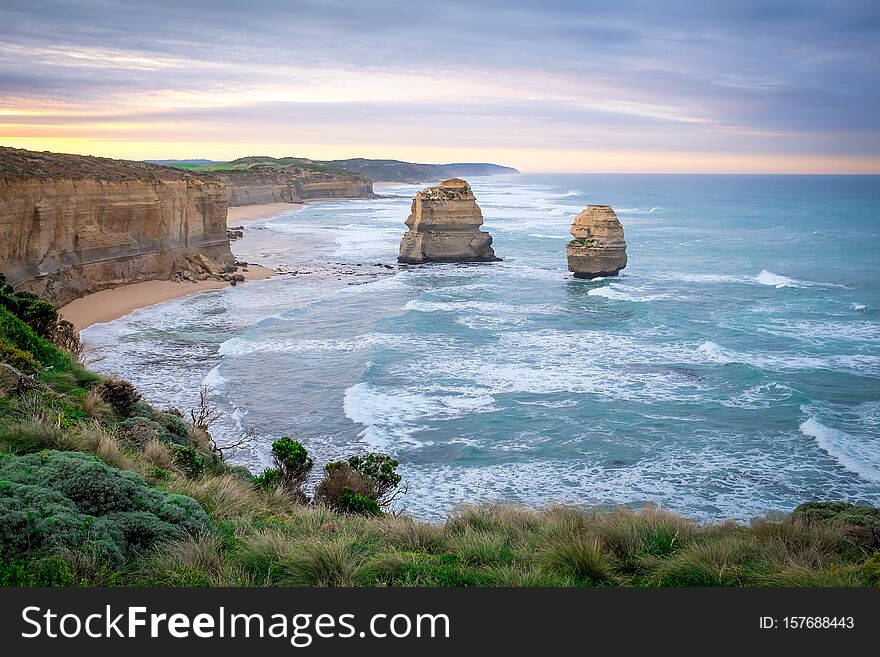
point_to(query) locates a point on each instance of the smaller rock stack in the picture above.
(444, 226)
(598, 247)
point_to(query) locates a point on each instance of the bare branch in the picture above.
(206, 413)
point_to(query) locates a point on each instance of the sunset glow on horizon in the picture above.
(567, 87)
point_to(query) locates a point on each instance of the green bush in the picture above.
(341, 479)
(267, 479)
(15, 332)
(860, 524)
(37, 313)
(138, 431)
(52, 571)
(189, 459)
(121, 395)
(381, 471)
(175, 427)
(871, 569)
(293, 464)
(351, 502)
(18, 358)
(52, 500)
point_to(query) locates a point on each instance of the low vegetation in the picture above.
(99, 488)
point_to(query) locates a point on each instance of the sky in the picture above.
(744, 86)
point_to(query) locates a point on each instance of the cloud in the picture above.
(787, 77)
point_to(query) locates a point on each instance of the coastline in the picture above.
(113, 303)
(107, 305)
(245, 214)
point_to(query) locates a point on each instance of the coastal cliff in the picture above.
(444, 226)
(258, 179)
(74, 225)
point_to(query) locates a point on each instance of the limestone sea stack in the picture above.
(444, 226)
(598, 248)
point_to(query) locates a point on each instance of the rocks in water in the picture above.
(235, 233)
(598, 247)
(444, 226)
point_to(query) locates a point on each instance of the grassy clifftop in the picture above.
(98, 487)
(375, 170)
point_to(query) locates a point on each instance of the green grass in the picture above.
(264, 538)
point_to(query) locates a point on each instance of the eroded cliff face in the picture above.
(73, 225)
(279, 185)
(598, 247)
(444, 226)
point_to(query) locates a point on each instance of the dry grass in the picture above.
(96, 407)
(159, 455)
(224, 496)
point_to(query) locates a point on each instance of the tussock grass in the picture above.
(632, 536)
(224, 497)
(726, 561)
(34, 434)
(579, 558)
(96, 407)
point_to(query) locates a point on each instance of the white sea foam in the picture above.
(695, 277)
(214, 379)
(862, 364)
(778, 281)
(563, 403)
(857, 454)
(484, 307)
(714, 352)
(618, 294)
(241, 346)
(393, 416)
(769, 278)
(548, 237)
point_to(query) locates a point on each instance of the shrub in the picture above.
(37, 313)
(175, 428)
(189, 460)
(871, 569)
(15, 332)
(351, 502)
(18, 358)
(339, 479)
(267, 480)
(51, 571)
(294, 465)
(121, 395)
(860, 524)
(54, 500)
(139, 431)
(381, 471)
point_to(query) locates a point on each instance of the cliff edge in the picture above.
(261, 179)
(73, 225)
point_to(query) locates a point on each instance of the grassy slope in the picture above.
(263, 538)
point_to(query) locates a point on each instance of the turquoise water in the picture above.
(733, 368)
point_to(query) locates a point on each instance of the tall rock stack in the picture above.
(444, 226)
(598, 247)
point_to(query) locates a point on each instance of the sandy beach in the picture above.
(249, 213)
(107, 305)
(380, 185)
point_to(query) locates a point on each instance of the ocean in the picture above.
(731, 370)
